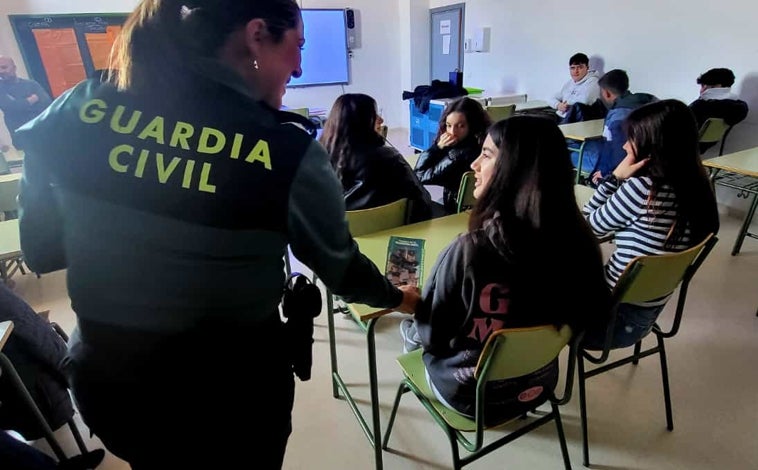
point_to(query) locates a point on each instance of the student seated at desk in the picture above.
(372, 173)
(462, 128)
(717, 100)
(581, 89)
(657, 200)
(527, 255)
(602, 156)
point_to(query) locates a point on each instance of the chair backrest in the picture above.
(466, 198)
(375, 219)
(515, 352)
(9, 189)
(498, 113)
(4, 166)
(305, 112)
(713, 130)
(652, 277)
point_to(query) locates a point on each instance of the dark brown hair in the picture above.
(162, 37)
(350, 128)
(666, 133)
(476, 117)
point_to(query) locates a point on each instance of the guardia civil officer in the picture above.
(170, 195)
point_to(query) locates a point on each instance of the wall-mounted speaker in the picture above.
(352, 19)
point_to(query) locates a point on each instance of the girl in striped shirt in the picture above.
(658, 200)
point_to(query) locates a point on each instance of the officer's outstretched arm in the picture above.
(319, 235)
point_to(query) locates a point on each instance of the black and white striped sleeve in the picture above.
(613, 208)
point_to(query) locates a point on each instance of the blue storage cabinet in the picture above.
(423, 128)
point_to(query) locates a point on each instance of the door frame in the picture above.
(455, 6)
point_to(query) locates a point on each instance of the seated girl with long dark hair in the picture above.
(372, 173)
(658, 200)
(527, 255)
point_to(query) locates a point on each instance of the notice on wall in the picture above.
(445, 26)
(446, 44)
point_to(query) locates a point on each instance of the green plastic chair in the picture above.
(376, 219)
(9, 189)
(4, 166)
(17, 386)
(365, 221)
(498, 113)
(645, 278)
(466, 199)
(713, 131)
(301, 111)
(508, 353)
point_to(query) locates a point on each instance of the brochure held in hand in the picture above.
(405, 261)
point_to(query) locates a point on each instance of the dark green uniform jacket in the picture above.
(173, 207)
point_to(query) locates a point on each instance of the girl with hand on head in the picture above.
(658, 200)
(527, 254)
(462, 129)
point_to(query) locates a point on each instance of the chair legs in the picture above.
(634, 359)
(637, 348)
(583, 412)
(402, 389)
(23, 393)
(666, 390)
(561, 436)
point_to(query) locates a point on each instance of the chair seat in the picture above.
(414, 369)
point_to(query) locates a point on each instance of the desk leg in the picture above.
(580, 150)
(332, 342)
(745, 225)
(374, 386)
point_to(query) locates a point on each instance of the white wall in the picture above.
(414, 50)
(663, 45)
(375, 67)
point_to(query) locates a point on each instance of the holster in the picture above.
(301, 303)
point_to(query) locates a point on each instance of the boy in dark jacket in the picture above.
(717, 100)
(602, 156)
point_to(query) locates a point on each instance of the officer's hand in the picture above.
(411, 297)
(32, 99)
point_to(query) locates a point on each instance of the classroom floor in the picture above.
(712, 371)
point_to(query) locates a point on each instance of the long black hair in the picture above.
(666, 132)
(530, 197)
(349, 130)
(163, 37)
(529, 215)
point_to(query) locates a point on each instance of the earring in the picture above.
(255, 64)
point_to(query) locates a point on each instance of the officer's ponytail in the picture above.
(162, 38)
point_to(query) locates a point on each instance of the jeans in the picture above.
(633, 322)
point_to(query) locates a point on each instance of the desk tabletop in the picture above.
(5, 331)
(10, 241)
(10, 177)
(743, 163)
(13, 155)
(532, 104)
(584, 130)
(437, 234)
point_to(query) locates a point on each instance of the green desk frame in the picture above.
(738, 171)
(438, 233)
